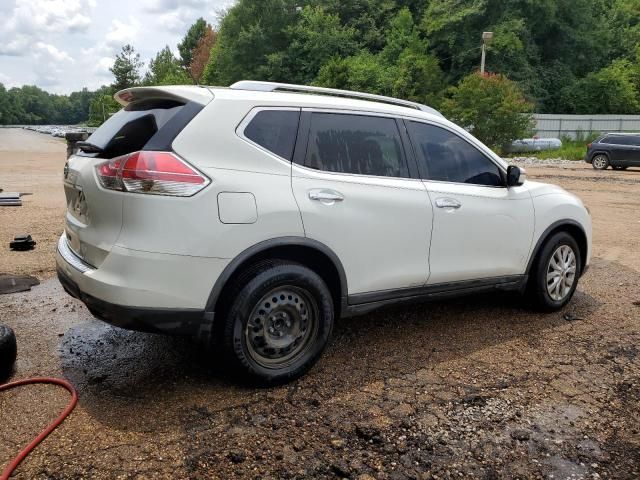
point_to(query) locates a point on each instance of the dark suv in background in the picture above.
(618, 150)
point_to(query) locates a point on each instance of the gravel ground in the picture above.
(31, 162)
(473, 388)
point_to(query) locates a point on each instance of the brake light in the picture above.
(154, 173)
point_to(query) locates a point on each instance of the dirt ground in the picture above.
(31, 162)
(473, 388)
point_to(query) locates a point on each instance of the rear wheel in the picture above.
(555, 273)
(600, 162)
(278, 323)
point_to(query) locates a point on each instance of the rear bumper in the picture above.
(169, 290)
(151, 320)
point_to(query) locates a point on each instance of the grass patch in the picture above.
(571, 149)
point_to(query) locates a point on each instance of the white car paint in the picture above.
(388, 233)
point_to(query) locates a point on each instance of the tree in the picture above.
(126, 68)
(102, 106)
(364, 72)
(613, 89)
(201, 54)
(191, 40)
(317, 37)
(165, 69)
(404, 68)
(250, 34)
(491, 107)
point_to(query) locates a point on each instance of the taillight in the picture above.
(155, 173)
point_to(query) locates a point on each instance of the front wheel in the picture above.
(600, 162)
(278, 323)
(555, 273)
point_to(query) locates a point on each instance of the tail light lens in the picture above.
(154, 173)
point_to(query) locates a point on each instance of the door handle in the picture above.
(444, 202)
(325, 196)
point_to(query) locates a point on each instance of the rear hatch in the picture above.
(150, 120)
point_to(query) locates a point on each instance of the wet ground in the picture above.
(473, 388)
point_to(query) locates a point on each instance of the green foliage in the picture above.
(615, 88)
(102, 106)
(251, 33)
(317, 37)
(491, 107)
(404, 68)
(31, 105)
(363, 72)
(165, 69)
(126, 68)
(190, 41)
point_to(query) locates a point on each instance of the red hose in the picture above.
(52, 426)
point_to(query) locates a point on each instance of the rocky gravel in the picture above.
(552, 162)
(479, 387)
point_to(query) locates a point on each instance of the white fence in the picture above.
(557, 126)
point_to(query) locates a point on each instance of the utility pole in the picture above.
(486, 38)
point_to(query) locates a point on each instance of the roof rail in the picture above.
(289, 87)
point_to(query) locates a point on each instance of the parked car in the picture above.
(258, 214)
(534, 145)
(616, 150)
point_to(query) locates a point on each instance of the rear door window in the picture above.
(141, 124)
(618, 140)
(356, 144)
(446, 157)
(274, 130)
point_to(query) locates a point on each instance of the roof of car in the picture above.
(310, 97)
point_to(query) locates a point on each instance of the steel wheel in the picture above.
(281, 326)
(561, 272)
(600, 162)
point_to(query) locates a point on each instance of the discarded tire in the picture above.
(8, 351)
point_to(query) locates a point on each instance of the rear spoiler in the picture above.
(191, 93)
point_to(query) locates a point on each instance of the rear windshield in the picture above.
(131, 128)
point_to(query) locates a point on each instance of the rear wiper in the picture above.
(89, 147)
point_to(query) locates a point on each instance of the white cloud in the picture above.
(7, 81)
(65, 45)
(122, 33)
(15, 47)
(37, 16)
(46, 52)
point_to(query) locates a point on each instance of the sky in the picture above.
(64, 45)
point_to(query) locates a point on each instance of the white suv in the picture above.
(255, 215)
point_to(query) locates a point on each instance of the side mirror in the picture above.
(515, 176)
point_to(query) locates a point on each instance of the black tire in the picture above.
(8, 351)
(600, 161)
(538, 286)
(294, 329)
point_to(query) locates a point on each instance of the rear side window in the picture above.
(623, 140)
(150, 124)
(274, 130)
(620, 140)
(446, 157)
(355, 144)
